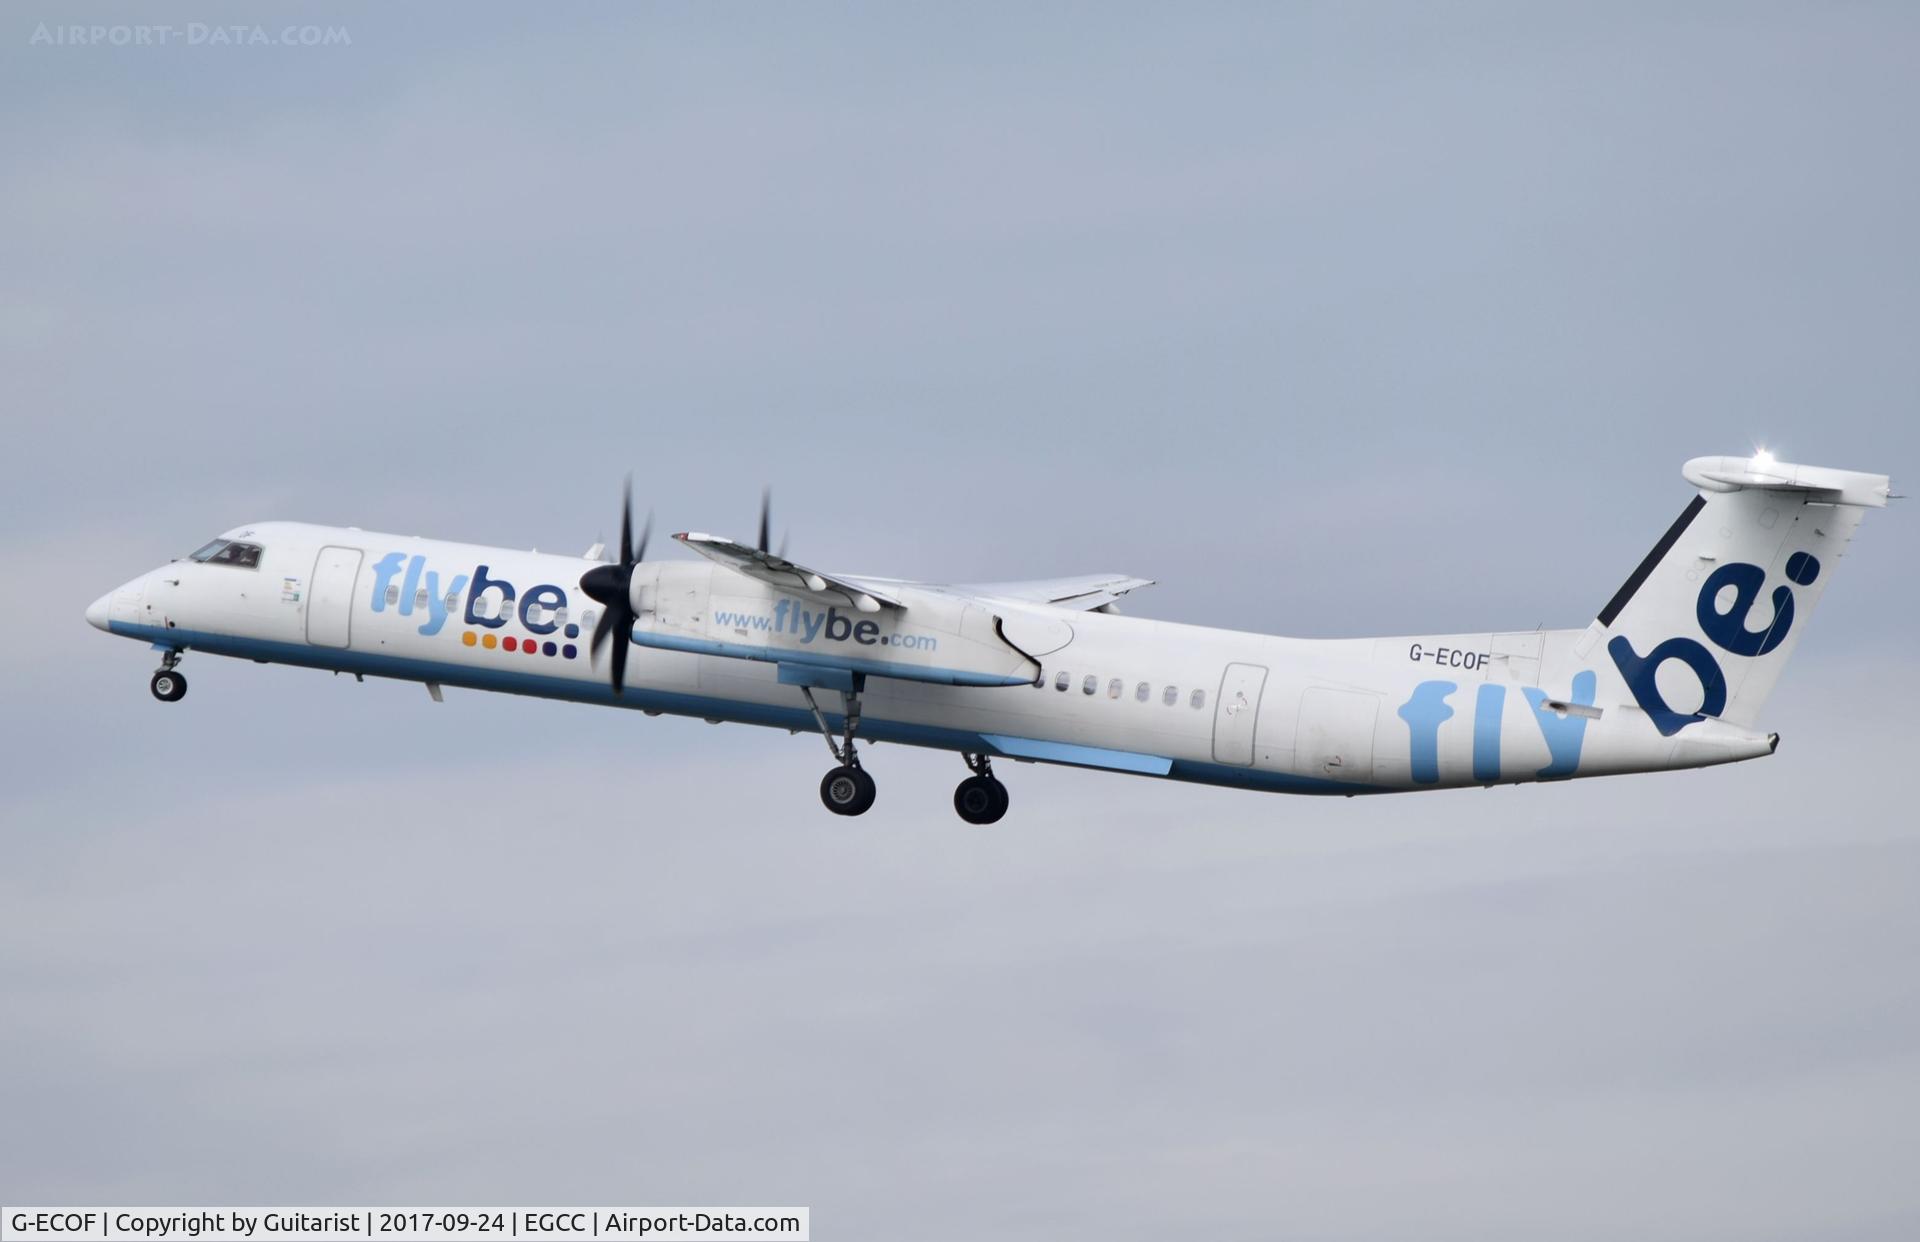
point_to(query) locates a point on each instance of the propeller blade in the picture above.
(611, 586)
(601, 629)
(620, 658)
(766, 512)
(626, 524)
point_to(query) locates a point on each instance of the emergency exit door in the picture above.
(1236, 711)
(330, 598)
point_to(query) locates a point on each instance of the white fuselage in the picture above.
(1185, 702)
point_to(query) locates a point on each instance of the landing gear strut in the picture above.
(846, 789)
(981, 798)
(167, 685)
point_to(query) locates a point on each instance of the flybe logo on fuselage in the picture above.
(791, 619)
(491, 602)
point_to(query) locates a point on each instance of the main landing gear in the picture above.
(846, 789)
(981, 798)
(167, 685)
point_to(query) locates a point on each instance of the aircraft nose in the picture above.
(97, 612)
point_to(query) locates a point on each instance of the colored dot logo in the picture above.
(532, 646)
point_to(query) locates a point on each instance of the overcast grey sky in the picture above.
(1334, 319)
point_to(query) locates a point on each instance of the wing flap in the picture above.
(779, 572)
(1083, 593)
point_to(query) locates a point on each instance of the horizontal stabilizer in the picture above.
(1821, 484)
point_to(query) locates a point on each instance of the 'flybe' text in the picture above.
(797, 621)
(491, 603)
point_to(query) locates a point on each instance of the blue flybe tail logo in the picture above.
(1727, 630)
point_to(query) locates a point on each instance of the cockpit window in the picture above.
(230, 552)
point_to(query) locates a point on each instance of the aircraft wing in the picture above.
(1083, 593)
(778, 571)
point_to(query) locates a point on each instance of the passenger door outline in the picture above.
(330, 600)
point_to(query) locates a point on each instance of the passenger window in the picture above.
(453, 601)
(1142, 692)
(1061, 680)
(1114, 688)
(420, 599)
(1199, 699)
(393, 596)
(1172, 696)
(1090, 685)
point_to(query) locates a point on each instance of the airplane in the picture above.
(1672, 672)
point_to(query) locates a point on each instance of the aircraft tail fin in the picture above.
(1724, 596)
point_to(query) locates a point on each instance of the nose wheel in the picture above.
(168, 685)
(981, 798)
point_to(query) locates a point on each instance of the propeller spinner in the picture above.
(611, 586)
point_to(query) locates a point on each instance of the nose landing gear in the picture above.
(981, 798)
(167, 685)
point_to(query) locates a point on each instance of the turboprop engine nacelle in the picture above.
(917, 635)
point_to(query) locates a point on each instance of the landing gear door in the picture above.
(1236, 712)
(330, 602)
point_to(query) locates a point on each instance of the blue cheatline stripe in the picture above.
(1487, 706)
(1079, 756)
(816, 678)
(1269, 782)
(821, 659)
(577, 690)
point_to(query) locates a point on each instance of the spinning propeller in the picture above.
(766, 513)
(611, 586)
